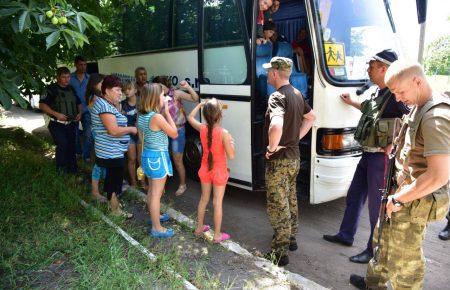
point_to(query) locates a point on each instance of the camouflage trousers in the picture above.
(282, 209)
(399, 259)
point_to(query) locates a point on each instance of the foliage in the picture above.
(33, 35)
(437, 60)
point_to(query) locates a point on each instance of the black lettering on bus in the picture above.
(197, 83)
(174, 80)
(188, 80)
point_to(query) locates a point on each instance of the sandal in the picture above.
(99, 198)
(223, 237)
(181, 189)
(205, 229)
(157, 234)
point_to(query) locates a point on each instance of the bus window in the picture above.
(352, 31)
(145, 27)
(224, 58)
(185, 23)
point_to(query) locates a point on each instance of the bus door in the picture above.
(225, 74)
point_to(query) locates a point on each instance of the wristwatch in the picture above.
(397, 203)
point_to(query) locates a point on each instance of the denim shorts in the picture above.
(177, 145)
(98, 172)
(156, 164)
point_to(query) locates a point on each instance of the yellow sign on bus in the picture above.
(334, 53)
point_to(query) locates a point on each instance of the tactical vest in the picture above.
(372, 130)
(65, 102)
(434, 206)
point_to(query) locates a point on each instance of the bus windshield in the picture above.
(351, 32)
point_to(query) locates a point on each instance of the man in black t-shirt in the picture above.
(288, 119)
(64, 109)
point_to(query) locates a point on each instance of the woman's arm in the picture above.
(228, 144)
(192, 96)
(191, 118)
(110, 123)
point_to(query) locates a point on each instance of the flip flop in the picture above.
(162, 218)
(157, 234)
(181, 189)
(205, 229)
(223, 237)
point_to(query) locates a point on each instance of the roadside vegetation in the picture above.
(50, 241)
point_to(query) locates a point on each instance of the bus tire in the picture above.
(192, 157)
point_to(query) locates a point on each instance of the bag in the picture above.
(139, 171)
(366, 132)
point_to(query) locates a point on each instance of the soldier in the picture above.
(445, 233)
(369, 174)
(288, 119)
(423, 166)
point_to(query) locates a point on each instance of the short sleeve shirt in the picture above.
(432, 138)
(288, 103)
(107, 146)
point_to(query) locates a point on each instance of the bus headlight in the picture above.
(337, 142)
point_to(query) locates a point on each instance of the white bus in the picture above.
(211, 44)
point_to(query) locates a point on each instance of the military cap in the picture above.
(278, 62)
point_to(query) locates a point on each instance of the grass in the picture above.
(49, 240)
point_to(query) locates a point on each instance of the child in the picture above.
(130, 111)
(154, 129)
(217, 144)
(93, 90)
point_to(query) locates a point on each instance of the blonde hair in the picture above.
(400, 71)
(127, 85)
(150, 97)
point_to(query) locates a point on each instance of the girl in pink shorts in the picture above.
(217, 145)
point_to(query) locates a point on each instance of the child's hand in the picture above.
(184, 84)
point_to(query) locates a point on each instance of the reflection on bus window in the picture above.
(352, 31)
(224, 59)
(186, 22)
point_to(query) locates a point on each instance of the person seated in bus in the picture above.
(94, 91)
(264, 5)
(154, 129)
(303, 50)
(269, 29)
(217, 145)
(177, 113)
(129, 109)
(140, 74)
(268, 15)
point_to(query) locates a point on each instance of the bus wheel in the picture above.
(192, 157)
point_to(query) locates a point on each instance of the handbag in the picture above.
(139, 171)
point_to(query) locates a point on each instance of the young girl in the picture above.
(154, 129)
(93, 90)
(217, 144)
(130, 111)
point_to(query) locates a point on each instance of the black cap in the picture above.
(387, 56)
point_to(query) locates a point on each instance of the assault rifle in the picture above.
(388, 189)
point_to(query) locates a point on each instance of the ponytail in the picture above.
(212, 111)
(210, 156)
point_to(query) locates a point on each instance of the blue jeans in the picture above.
(87, 135)
(64, 137)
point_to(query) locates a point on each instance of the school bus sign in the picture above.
(334, 53)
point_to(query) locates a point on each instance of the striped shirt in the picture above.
(153, 140)
(107, 146)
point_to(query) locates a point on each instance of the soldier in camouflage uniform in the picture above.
(423, 166)
(288, 119)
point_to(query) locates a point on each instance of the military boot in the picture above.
(445, 233)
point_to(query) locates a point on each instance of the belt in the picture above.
(61, 122)
(373, 149)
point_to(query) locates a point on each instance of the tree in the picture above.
(437, 60)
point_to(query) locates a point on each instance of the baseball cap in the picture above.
(387, 56)
(278, 62)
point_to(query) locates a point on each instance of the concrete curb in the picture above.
(187, 285)
(263, 264)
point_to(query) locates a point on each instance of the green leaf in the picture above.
(69, 40)
(92, 20)
(8, 11)
(24, 21)
(52, 39)
(80, 23)
(5, 100)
